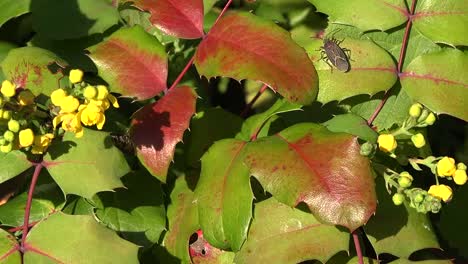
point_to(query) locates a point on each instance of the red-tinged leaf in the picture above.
(158, 127)
(132, 62)
(183, 19)
(307, 163)
(244, 46)
(201, 252)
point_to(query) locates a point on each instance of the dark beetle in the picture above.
(331, 52)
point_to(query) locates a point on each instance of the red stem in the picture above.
(190, 62)
(27, 210)
(400, 62)
(250, 104)
(357, 245)
(14, 229)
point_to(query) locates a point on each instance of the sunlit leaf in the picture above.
(12, 164)
(9, 249)
(243, 46)
(13, 8)
(352, 124)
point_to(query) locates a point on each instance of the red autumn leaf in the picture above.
(158, 127)
(132, 62)
(183, 19)
(244, 46)
(307, 163)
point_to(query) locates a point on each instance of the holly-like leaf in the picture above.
(47, 198)
(371, 70)
(158, 127)
(12, 164)
(82, 240)
(83, 17)
(13, 8)
(442, 22)
(308, 163)
(281, 234)
(136, 211)
(442, 74)
(9, 248)
(200, 141)
(398, 230)
(182, 215)
(28, 67)
(244, 46)
(363, 14)
(132, 62)
(224, 195)
(183, 19)
(352, 124)
(78, 166)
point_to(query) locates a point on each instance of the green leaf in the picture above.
(5, 47)
(442, 74)
(372, 71)
(255, 124)
(47, 198)
(12, 164)
(78, 166)
(204, 253)
(352, 124)
(281, 234)
(136, 211)
(13, 8)
(141, 73)
(182, 215)
(82, 240)
(442, 22)
(9, 248)
(224, 195)
(366, 15)
(58, 19)
(78, 206)
(200, 140)
(207, 5)
(244, 46)
(398, 230)
(307, 163)
(28, 67)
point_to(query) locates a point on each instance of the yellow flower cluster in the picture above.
(446, 168)
(387, 142)
(441, 191)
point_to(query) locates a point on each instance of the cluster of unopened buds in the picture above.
(16, 107)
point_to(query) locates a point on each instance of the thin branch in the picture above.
(252, 102)
(27, 210)
(357, 245)
(404, 45)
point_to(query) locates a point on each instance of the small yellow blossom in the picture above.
(418, 140)
(90, 92)
(25, 97)
(41, 143)
(26, 137)
(6, 114)
(76, 76)
(57, 96)
(8, 88)
(460, 177)
(441, 191)
(69, 104)
(387, 142)
(70, 122)
(6, 148)
(430, 119)
(92, 114)
(102, 92)
(446, 167)
(415, 110)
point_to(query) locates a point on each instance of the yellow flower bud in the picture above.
(446, 167)
(102, 92)
(8, 88)
(6, 114)
(418, 140)
(57, 96)
(387, 142)
(441, 191)
(90, 92)
(415, 110)
(461, 166)
(76, 76)
(26, 137)
(459, 177)
(41, 142)
(6, 148)
(69, 104)
(26, 97)
(430, 119)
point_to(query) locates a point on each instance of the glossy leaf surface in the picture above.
(444, 79)
(78, 167)
(13, 8)
(158, 127)
(307, 163)
(29, 67)
(224, 195)
(12, 164)
(366, 15)
(182, 19)
(281, 234)
(352, 124)
(132, 62)
(91, 242)
(243, 46)
(9, 248)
